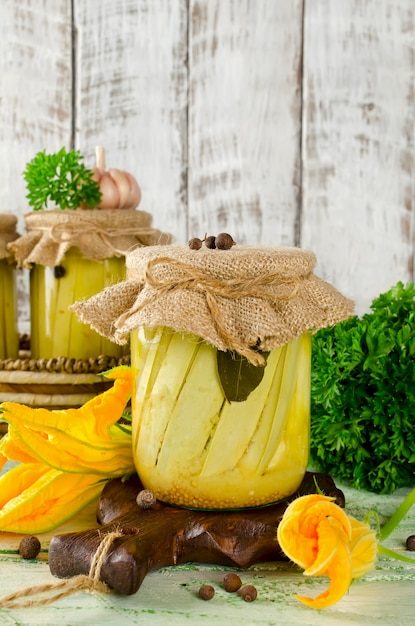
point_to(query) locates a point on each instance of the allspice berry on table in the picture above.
(232, 582)
(248, 593)
(29, 547)
(146, 499)
(410, 543)
(206, 592)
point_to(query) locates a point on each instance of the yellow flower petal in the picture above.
(3, 460)
(108, 407)
(297, 531)
(290, 538)
(317, 534)
(326, 508)
(12, 448)
(299, 505)
(85, 443)
(329, 537)
(49, 498)
(63, 452)
(89, 422)
(363, 548)
(17, 479)
(339, 573)
(74, 440)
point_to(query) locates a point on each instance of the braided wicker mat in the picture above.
(54, 383)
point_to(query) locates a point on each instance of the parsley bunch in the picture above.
(61, 178)
(363, 395)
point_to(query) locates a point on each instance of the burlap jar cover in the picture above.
(98, 234)
(239, 299)
(8, 233)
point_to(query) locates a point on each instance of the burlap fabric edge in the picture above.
(244, 298)
(98, 234)
(8, 234)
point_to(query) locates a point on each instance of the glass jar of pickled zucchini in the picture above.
(221, 348)
(71, 256)
(9, 340)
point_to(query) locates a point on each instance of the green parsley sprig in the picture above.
(363, 395)
(60, 178)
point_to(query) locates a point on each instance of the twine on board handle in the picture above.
(27, 598)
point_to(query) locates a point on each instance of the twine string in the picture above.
(260, 286)
(26, 598)
(187, 276)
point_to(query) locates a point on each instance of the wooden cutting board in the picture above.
(165, 535)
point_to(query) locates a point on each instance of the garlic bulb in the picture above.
(119, 189)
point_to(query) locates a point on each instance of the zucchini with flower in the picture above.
(65, 457)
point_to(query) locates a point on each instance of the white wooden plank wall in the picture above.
(131, 97)
(35, 98)
(245, 118)
(358, 143)
(286, 122)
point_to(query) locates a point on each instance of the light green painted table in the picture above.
(384, 597)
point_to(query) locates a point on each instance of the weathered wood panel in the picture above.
(35, 84)
(358, 152)
(131, 97)
(35, 98)
(202, 99)
(244, 118)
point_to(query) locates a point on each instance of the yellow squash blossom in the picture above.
(317, 535)
(64, 455)
(36, 498)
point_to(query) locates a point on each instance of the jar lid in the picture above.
(245, 299)
(97, 233)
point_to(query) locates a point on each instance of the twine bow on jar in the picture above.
(182, 275)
